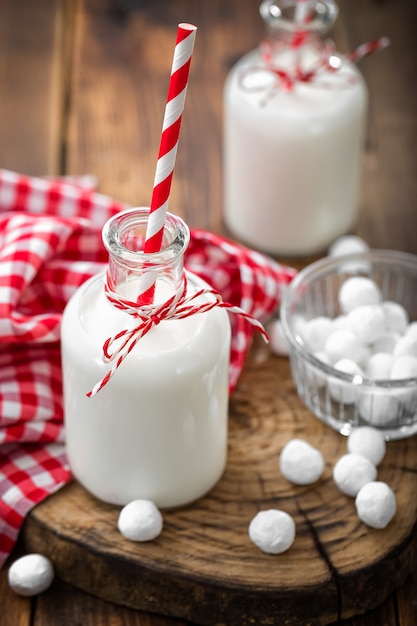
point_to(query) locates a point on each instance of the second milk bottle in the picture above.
(157, 428)
(294, 125)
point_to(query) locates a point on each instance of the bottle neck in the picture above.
(314, 17)
(294, 48)
(131, 271)
(295, 23)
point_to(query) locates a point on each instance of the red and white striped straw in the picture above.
(367, 48)
(170, 135)
(302, 11)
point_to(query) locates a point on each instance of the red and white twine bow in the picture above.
(326, 62)
(179, 306)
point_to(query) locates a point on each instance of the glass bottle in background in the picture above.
(158, 429)
(294, 130)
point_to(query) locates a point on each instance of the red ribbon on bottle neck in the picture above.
(178, 306)
(288, 79)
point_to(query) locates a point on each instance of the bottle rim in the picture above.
(281, 15)
(133, 222)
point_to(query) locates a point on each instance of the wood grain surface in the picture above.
(32, 86)
(204, 568)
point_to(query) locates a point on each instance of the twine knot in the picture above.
(178, 306)
(326, 62)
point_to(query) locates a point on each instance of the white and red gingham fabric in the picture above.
(50, 243)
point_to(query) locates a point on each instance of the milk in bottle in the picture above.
(294, 126)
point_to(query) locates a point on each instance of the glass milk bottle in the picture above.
(294, 127)
(158, 428)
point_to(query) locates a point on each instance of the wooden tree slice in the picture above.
(203, 567)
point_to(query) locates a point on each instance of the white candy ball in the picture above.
(272, 530)
(396, 316)
(352, 471)
(386, 342)
(316, 331)
(348, 244)
(340, 322)
(357, 291)
(300, 462)
(378, 407)
(340, 390)
(31, 574)
(343, 344)
(315, 376)
(368, 442)
(411, 330)
(364, 357)
(298, 323)
(406, 345)
(379, 365)
(367, 322)
(140, 520)
(404, 367)
(376, 504)
(277, 339)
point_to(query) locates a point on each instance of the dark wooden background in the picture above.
(82, 90)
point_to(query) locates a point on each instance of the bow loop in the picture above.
(178, 306)
(286, 79)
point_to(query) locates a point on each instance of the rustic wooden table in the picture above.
(82, 87)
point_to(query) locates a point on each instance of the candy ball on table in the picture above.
(300, 462)
(376, 504)
(30, 575)
(277, 340)
(140, 520)
(350, 244)
(347, 244)
(353, 471)
(369, 442)
(272, 531)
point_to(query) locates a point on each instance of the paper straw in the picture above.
(367, 48)
(170, 134)
(302, 11)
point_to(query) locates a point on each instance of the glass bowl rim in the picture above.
(327, 264)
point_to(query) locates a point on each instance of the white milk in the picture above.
(158, 429)
(292, 159)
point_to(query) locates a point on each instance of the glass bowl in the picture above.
(341, 400)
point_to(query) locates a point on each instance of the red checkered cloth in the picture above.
(50, 243)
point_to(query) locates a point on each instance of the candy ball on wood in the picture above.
(300, 462)
(272, 531)
(31, 574)
(140, 520)
(376, 504)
